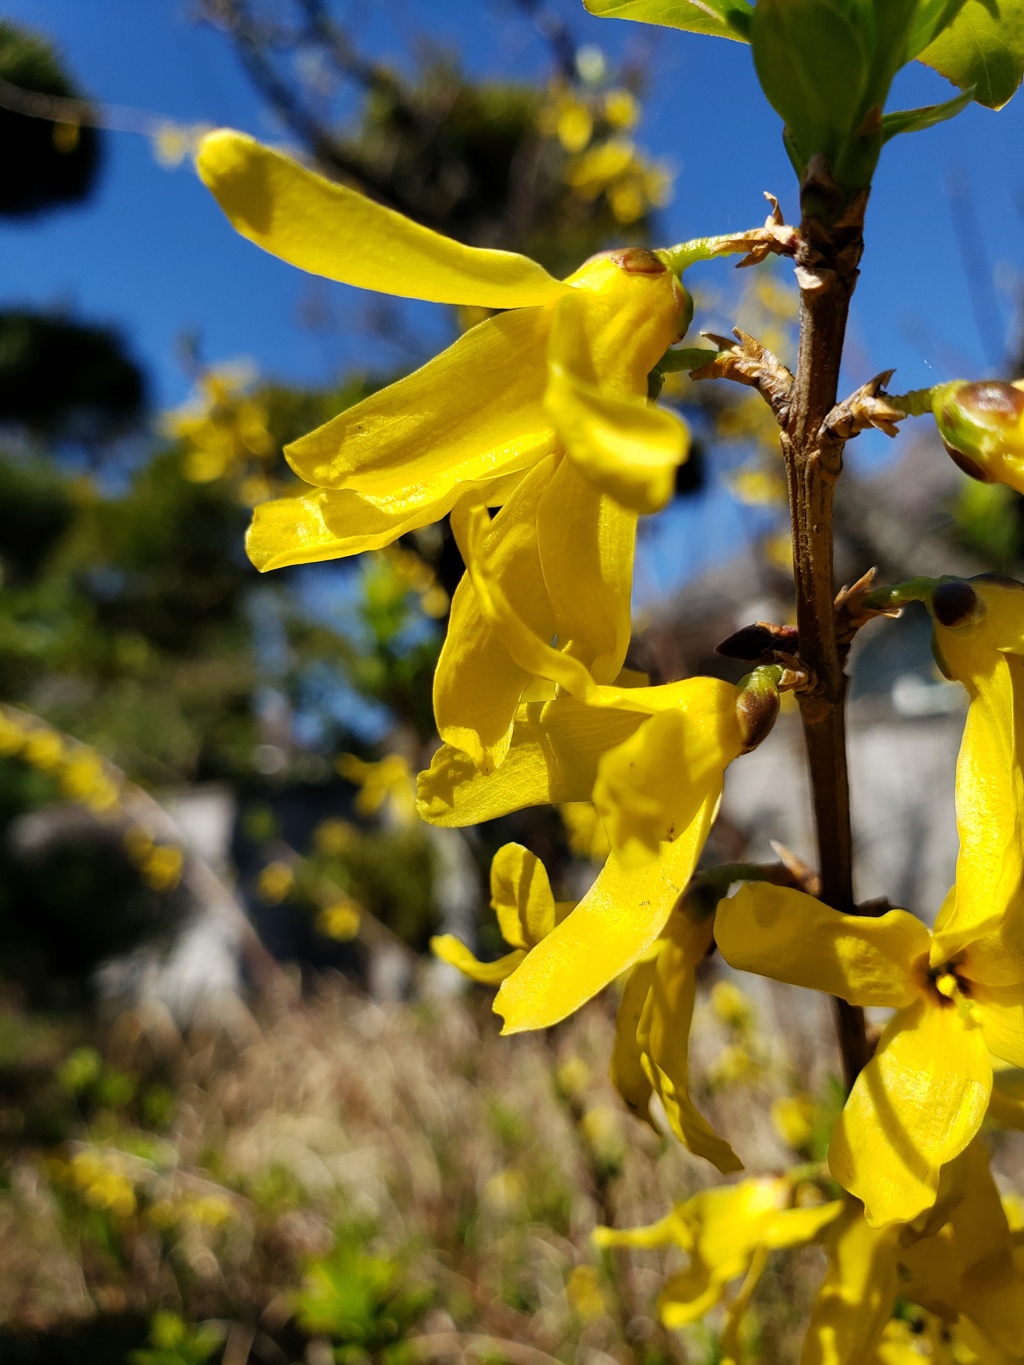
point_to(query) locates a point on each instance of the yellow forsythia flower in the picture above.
(958, 992)
(727, 1233)
(569, 357)
(340, 920)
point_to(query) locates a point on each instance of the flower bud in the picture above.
(982, 428)
(757, 706)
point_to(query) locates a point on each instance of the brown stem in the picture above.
(831, 246)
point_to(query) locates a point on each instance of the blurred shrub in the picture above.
(42, 164)
(65, 379)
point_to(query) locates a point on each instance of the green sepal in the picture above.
(686, 358)
(916, 120)
(983, 47)
(721, 18)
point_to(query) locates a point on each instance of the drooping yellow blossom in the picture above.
(565, 368)
(385, 785)
(727, 1232)
(652, 1034)
(961, 1267)
(958, 992)
(224, 428)
(527, 912)
(652, 759)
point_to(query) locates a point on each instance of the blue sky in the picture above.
(153, 255)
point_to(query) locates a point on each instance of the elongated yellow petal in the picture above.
(664, 1039)
(586, 543)
(988, 906)
(858, 1292)
(552, 758)
(627, 1069)
(604, 342)
(630, 450)
(452, 950)
(797, 1227)
(472, 412)
(521, 896)
(704, 695)
(660, 1234)
(914, 1107)
(999, 1012)
(328, 229)
(611, 928)
(477, 683)
(782, 933)
(688, 1294)
(649, 787)
(553, 755)
(334, 524)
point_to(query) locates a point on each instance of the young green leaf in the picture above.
(983, 47)
(914, 120)
(813, 67)
(722, 18)
(930, 18)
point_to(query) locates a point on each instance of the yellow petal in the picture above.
(333, 524)
(649, 787)
(521, 896)
(664, 1037)
(967, 1266)
(586, 543)
(607, 336)
(914, 1107)
(664, 1232)
(857, 1295)
(472, 412)
(477, 684)
(552, 757)
(328, 229)
(999, 1012)
(706, 695)
(798, 1227)
(452, 950)
(986, 916)
(789, 936)
(628, 449)
(627, 1070)
(688, 1294)
(611, 928)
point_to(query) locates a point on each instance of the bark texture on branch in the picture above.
(826, 268)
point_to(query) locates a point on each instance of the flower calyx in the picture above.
(746, 361)
(869, 406)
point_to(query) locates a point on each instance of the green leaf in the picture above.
(722, 18)
(983, 47)
(930, 18)
(813, 67)
(914, 120)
